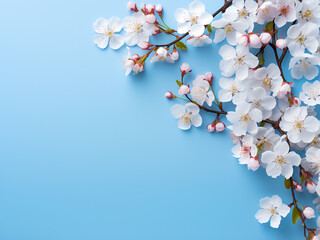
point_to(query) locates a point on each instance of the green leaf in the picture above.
(179, 83)
(287, 183)
(209, 28)
(262, 124)
(181, 45)
(269, 27)
(295, 215)
(302, 179)
(261, 61)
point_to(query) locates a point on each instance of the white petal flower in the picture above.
(272, 208)
(193, 21)
(188, 115)
(199, 41)
(201, 92)
(280, 160)
(245, 150)
(162, 55)
(311, 93)
(308, 11)
(267, 11)
(312, 160)
(298, 125)
(231, 90)
(286, 11)
(137, 29)
(301, 37)
(106, 30)
(244, 119)
(266, 138)
(237, 61)
(304, 66)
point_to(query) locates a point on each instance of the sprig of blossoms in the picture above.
(272, 126)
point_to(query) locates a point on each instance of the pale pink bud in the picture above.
(296, 101)
(220, 126)
(169, 95)
(284, 89)
(209, 77)
(175, 55)
(159, 9)
(138, 67)
(265, 38)
(298, 188)
(308, 212)
(281, 43)
(184, 89)
(144, 45)
(150, 8)
(185, 68)
(253, 163)
(211, 127)
(129, 63)
(243, 40)
(132, 6)
(156, 31)
(150, 18)
(311, 186)
(135, 57)
(254, 41)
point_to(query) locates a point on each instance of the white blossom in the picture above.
(201, 92)
(312, 160)
(311, 93)
(193, 21)
(231, 89)
(308, 11)
(245, 149)
(298, 125)
(106, 30)
(244, 119)
(304, 66)
(280, 160)
(199, 41)
(286, 12)
(162, 55)
(137, 29)
(272, 208)
(187, 115)
(236, 61)
(301, 37)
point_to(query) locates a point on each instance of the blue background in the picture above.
(88, 154)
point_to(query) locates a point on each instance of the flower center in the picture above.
(281, 160)
(299, 125)
(228, 28)
(109, 33)
(301, 39)
(256, 104)
(240, 60)
(243, 13)
(194, 19)
(285, 10)
(234, 89)
(273, 211)
(138, 28)
(304, 66)
(266, 82)
(307, 14)
(245, 118)
(186, 118)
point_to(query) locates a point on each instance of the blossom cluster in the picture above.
(271, 127)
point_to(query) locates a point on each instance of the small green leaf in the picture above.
(179, 83)
(295, 215)
(181, 45)
(302, 179)
(287, 183)
(262, 124)
(261, 61)
(209, 28)
(269, 27)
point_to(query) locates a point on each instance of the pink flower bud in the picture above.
(265, 38)
(159, 9)
(308, 212)
(144, 45)
(296, 101)
(211, 127)
(209, 77)
(220, 126)
(138, 67)
(169, 95)
(132, 6)
(135, 57)
(184, 89)
(150, 18)
(243, 40)
(150, 8)
(253, 163)
(254, 41)
(311, 186)
(297, 186)
(175, 55)
(185, 68)
(156, 31)
(281, 43)
(284, 90)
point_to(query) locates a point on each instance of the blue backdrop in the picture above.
(88, 154)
